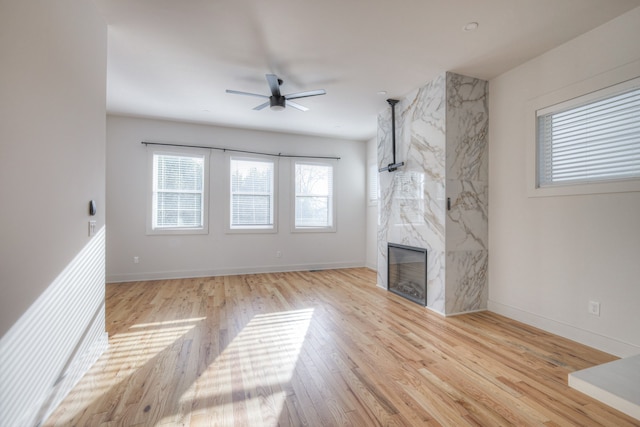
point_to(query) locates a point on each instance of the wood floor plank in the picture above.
(322, 348)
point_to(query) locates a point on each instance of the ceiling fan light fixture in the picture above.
(277, 103)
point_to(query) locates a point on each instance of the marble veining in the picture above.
(467, 221)
(467, 187)
(412, 199)
(441, 135)
(465, 270)
(467, 128)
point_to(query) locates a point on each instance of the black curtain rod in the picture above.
(240, 151)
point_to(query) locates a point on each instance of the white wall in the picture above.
(548, 256)
(162, 256)
(52, 163)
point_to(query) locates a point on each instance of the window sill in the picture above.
(622, 186)
(314, 230)
(176, 231)
(252, 230)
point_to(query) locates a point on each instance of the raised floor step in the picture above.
(616, 384)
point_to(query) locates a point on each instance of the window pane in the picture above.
(178, 191)
(593, 141)
(373, 183)
(251, 209)
(252, 195)
(313, 195)
(179, 172)
(312, 211)
(167, 218)
(313, 179)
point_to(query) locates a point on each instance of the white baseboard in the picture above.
(583, 336)
(183, 274)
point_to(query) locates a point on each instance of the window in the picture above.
(178, 192)
(373, 184)
(313, 205)
(252, 198)
(592, 138)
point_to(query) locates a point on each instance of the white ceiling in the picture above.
(174, 59)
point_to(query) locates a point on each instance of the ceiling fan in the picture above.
(277, 101)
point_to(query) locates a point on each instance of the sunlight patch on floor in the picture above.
(127, 352)
(254, 370)
(164, 323)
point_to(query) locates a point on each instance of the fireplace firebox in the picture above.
(407, 272)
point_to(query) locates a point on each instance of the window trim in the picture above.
(250, 229)
(333, 214)
(184, 152)
(626, 75)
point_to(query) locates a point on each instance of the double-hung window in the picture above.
(592, 138)
(314, 208)
(178, 197)
(252, 194)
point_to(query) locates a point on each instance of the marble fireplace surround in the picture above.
(441, 135)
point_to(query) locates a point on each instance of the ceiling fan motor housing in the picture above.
(277, 102)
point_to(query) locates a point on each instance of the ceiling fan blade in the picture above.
(297, 106)
(261, 106)
(306, 94)
(237, 92)
(274, 84)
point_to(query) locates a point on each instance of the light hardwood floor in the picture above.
(322, 348)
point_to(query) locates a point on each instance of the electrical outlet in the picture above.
(136, 260)
(278, 254)
(594, 308)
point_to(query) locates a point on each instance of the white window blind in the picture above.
(252, 193)
(373, 184)
(313, 195)
(178, 191)
(590, 139)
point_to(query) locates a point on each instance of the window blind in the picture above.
(591, 140)
(313, 195)
(252, 195)
(178, 183)
(373, 184)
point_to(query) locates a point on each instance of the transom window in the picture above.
(592, 138)
(252, 193)
(314, 206)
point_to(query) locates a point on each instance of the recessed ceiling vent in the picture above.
(393, 165)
